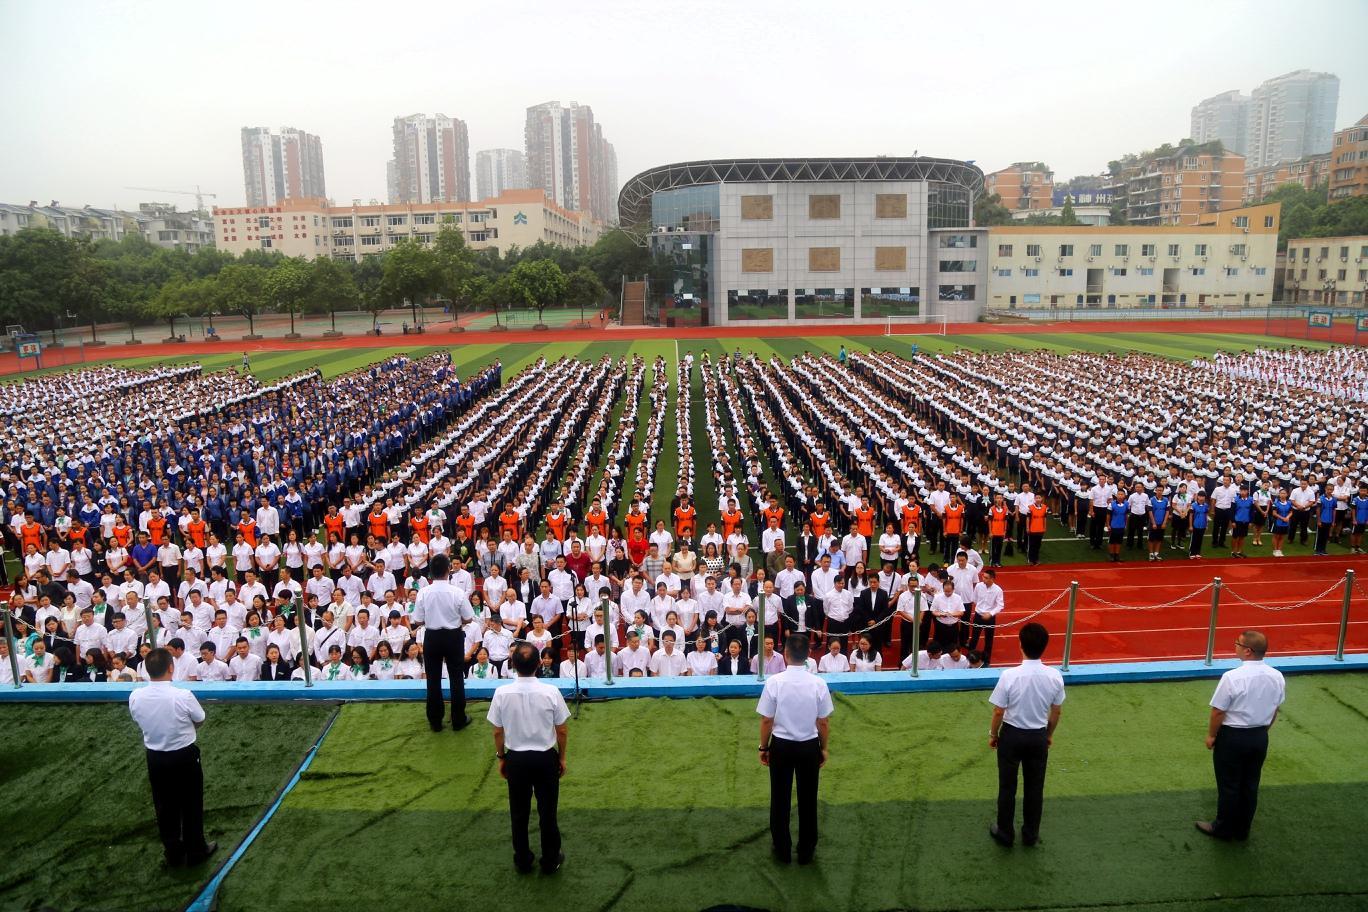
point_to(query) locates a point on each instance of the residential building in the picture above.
(497, 170)
(778, 240)
(316, 227)
(431, 160)
(1228, 260)
(1084, 190)
(1327, 270)
(1349, 162)
(281, 166)
(164, 226)
(568, 157)
(160, 223)
(1022, 186)
(1224, 117)
(1290, 117)
(1309, 172)
(1178, 186)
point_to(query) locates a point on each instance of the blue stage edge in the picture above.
(882, 682)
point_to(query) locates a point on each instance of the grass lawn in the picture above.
(79, 832)
(663, 809)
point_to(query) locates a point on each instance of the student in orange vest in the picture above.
(820, 519)
(911, 522)
(731, 519)
(596, 516)
(1035, 529)
(953, 527)
(378, 521)
(635, 520)
(686, 519)
(248, 527)
(196, 530)
(421, 526)
(864, 518)
(334, 525)
(999, 515)
(510, 521)
(557, 521)
(156, 528)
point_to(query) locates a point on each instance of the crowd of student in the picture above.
(195, 528)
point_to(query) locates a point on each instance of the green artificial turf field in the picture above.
(77, 826)
(663, 808)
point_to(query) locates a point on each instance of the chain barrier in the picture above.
(1292, 607)
(1170, 604)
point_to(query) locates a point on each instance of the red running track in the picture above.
(1117, 618)
(1293, 329)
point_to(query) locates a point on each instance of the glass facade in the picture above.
(758, 304)
(947, 205)
(890, 302)
(687, 208)
(681, 278)
(824, 304)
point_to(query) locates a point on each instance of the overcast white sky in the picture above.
(98, 96)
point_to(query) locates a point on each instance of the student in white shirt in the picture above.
(702, 661)
(668, 662)
(244, 665)
(835, 661)
(209, 667)
(988, 604)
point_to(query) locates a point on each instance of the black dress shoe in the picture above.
(1207, 827)
(783, 856)
(199, 859)
(554, 866)
(1034, 841)
(523, 868)
(1000, 837)
(464, 723)
(435, 726)
(805, 858)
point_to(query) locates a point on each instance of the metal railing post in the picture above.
(609, 635)
(151, 631)
(1069, 626)
(9, 641)
(1211, 625)
(1344, 616)
(304, 649)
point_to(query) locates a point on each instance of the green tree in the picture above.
(370, 277)
(988, 210)
(411, 273)
(33, 263)
(1066, 215)
(455, 264)
(238, 288)
(331, 285)
(537, 283)
(288, 286)
(583, 289)
(180, 297)
(617, 254)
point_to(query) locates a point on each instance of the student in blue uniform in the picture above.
(1326, 510)
(1243, 512)
(1117, 514)
(1282, 520)
(1200, 512)
(1358, 506)
(1158, 517)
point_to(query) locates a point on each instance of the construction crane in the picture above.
(197, 193)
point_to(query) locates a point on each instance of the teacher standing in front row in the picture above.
(1243, 709)
(1026, 705)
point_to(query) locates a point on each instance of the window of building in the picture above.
(890, 302)
(1118, 270)
(370, 240)
(1320, 275)
(1268, 221)
(957, 265)
(1342, 274)
(956, 292)
(263, 221)
(1198, 270)
(1241, 221)
(265, 242)
(1004, 273)
(476, 218)
(395, 220)
(1324, 252)
(1066, 250)
(948, 241)
(345, 241)
(370, 221)
(1344, 252)
(1095, 250)
(1146, 270)
(342, 222)
(1147, 250)
(425, 219)
(1033, 250)
(1032, 273)
(1260, 270)
(1238, 249)
(424, 238)
(479, 235)
(1232, 271)
(1066, 272)
(1122, 250)
(1363, 275)
(1199, 250)
(1173, 250)
(1004, 250)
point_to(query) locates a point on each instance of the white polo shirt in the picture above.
(528, 711)
(1250, 694)
(167, 715)
(442, 606)
(1027, 692)
(795, 700)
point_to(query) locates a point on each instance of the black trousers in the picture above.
(1096, 522)
(1220, 525)
(1301, 520)
(178, 795)
(1322, 537)
(1238, 757)
(995, 551)
(988, 627)
(1033, 541)
(534, 773)
(1196, 546)
(787, 760)
(444, 646)
(1029, 751)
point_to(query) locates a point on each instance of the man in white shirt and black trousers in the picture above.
(1026, 705)
(530, 735)
(444, 610)
(1243, 709)
(169, 717)
(794, 733)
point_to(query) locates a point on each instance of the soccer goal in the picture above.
(931, 324)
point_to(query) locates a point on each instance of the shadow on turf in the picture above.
(1116, 851)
